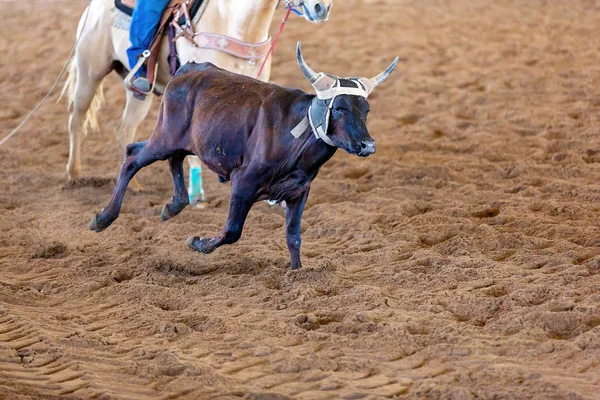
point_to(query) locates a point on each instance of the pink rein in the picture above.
(272, 48)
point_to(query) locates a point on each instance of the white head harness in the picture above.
(328, 88)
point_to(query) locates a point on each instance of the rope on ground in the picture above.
(60, 75)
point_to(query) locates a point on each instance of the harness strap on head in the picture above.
(336, 91)
(328, 87)
(319, 111)
(300, 128)
(322, 111)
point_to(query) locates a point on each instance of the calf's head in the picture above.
(339, 113)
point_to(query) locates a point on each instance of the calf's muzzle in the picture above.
(367, 147)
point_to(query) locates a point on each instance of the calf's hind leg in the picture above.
(180, 195)
(138, 156)
(133, 115)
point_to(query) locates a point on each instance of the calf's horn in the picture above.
(385, 74)
(308, 73)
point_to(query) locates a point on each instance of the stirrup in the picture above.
(130, 77)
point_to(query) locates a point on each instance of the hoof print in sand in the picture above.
(93, 182)
(49, 251)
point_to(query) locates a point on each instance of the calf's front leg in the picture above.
(242, 198)
(293, 219)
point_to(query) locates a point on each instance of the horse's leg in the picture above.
(134, 113)
(180, 194)
(196, 191)
(243, 193)
(86, 75)
(138, 156)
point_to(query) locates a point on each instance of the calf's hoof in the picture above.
(198, 244)
(99, 222)
(173, 208)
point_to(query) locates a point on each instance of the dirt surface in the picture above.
(461, 261)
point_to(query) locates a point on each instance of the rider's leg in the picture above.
(144, 24)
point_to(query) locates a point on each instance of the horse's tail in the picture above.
(91, 122)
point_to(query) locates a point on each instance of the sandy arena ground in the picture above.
(461, 261)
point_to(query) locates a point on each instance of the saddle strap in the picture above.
(234, 47)
(173, 59)
(173, 6)
(210, 41)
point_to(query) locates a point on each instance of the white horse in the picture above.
(102, 47)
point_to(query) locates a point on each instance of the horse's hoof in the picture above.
(135, 186)
(198, 244)
(201, 206)
(73, 173)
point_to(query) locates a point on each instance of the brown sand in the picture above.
(461, 261)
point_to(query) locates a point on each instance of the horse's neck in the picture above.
(244, 20)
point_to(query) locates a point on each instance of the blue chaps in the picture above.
(144, 24)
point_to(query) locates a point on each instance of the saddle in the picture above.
(176, 22)
(172, 12)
